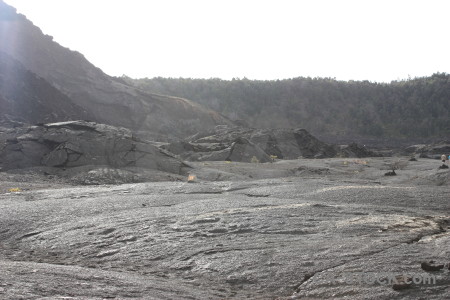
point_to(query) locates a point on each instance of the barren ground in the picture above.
(290, 229)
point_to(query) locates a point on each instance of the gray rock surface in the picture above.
(297, 236)
(428, 151)
(355, 150)
(216, 145)
(243, 150)
(80, 143)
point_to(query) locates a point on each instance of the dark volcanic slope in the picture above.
(109, 100)
(28, 98)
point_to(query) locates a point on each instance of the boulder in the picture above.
(179, 147)
(390, 173)
(81, 143)
(242, 150)
(292, 144)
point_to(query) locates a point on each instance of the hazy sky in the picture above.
(377, 40)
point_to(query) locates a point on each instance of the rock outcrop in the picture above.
(355, 150)
(241, 144)
(428, 151)
(245, 151)
(81, 143)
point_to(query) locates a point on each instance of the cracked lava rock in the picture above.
(301, 235)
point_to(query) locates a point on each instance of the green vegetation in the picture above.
(418, 107)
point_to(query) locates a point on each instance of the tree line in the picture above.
(411, 108)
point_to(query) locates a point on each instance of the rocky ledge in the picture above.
(81, 143)
(240, 144)
(434, 150)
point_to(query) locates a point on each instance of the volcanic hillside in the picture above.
(107, 99)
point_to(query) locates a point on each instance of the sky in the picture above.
(375, 40)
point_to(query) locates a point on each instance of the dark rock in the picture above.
(355, 150)
(179, 147)
(431, 266)
(268, 143)
(56, 158)
(243, 150)
(428, 151)
(402, 282)
(293, 144)
(81, 143)
(443, 166)
(390, 173)
(414, 149)
(241, 144)
(401, 286)
(412, 159)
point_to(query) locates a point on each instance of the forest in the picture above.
(411, 108)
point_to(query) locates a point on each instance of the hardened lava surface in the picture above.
(288, 230)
